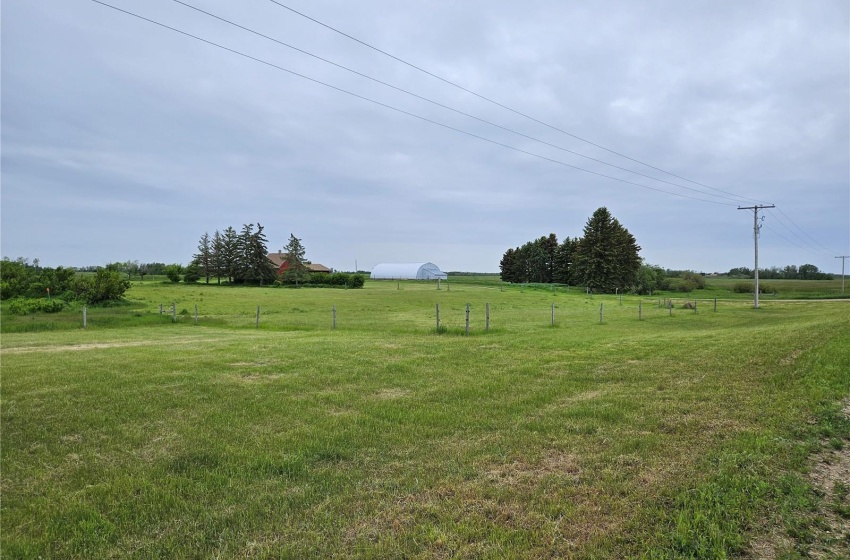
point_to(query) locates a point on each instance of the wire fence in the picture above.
(442, 315)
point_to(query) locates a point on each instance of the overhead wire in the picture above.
(387, 106)
(789, 241)
(522, 114)
(503, 106)
(827, 251)
(458, 111)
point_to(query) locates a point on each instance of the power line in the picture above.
(809, 247)
(802, 230)
(458, 111)
(292, 72)
(489, 100)
(779, 235)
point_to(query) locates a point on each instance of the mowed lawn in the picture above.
(668, 435)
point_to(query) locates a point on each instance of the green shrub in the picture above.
(356, 280)
(25, 306)
(103, 287)
(193, 274)
(749, 287)
(334, 280)
(683, 285)
(172, 271)
(697, 279)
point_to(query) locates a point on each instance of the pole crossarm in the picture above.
(756, 228)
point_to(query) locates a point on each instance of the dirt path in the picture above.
(829, 530)
(102, 345)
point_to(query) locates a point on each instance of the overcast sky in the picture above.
(124, 140)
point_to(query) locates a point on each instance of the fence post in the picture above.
(258, 316)
(553, 314)
(334, 313)
(467, 318)
(670, 307)
(196, 313)
(487, 317)
(600, 313)
(715, 304)
(85, 318)
(695, 305)
(438, 318)
(160, 309)
(173, 311)
(640, 310)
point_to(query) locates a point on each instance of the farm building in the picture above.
(408, 271)
(278, 260)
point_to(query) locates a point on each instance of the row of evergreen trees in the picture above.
(243, 257)
(604, 259)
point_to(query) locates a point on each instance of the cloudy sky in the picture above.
(124, 140)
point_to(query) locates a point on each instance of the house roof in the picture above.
(278, 258)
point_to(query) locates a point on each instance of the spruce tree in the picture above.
(217, 256)
(204, 257)
(258, 268)
(229, 254)
(296, 267)
(607, 255)
(564, 261)
(508, 266)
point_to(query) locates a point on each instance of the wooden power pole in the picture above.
(756, 228)
(842, 257)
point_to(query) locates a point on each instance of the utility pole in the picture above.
(756, 228)
(842, 270)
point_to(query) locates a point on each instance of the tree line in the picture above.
(789, 272)
(604, 259)
(49, 289)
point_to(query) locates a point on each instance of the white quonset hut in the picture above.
(408, 271)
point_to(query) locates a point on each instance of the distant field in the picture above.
(719, 287)
(662, 435)
(789, 289)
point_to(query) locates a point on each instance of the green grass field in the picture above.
(682, 434)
